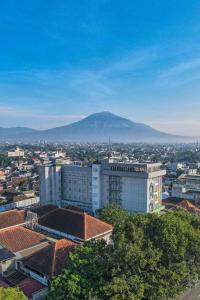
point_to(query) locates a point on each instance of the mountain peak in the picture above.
(97, 127)
(103, 114)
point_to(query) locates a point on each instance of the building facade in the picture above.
(187, 187)
(134, 187)
(50, 184)
(16, 153)
(77, 186)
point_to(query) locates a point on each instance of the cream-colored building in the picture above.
(16, 153)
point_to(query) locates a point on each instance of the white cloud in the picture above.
(180, 73)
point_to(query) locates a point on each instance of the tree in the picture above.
(151, 257)
(112, 214)
(11, 294)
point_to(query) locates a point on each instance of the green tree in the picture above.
(11, 294)
(113, 214)
(151, 257)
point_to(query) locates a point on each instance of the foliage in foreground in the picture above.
(152, 258)
(11, 294)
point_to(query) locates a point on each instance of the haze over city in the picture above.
(63, 61)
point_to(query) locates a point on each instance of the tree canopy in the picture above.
(11, 294)
(152, 257)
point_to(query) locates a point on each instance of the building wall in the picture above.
(135, 187)
(96, 187)
(77, 185)
(50, 184)
(21, 204)
(154, 193)
(17, 153)
(7, 267)
(134, 194)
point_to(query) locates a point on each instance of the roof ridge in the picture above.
(54, 258)
(55, 248)
(49, 212)
(73, 210)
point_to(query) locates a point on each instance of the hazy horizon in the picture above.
(61, 62)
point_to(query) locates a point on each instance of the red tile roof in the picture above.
(30, 286)
(76, 223)
(185, 204)
(19, 238)
(11, 218)
(52, 259)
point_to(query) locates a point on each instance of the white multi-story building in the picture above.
(135, 187)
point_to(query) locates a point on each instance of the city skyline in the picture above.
(63, 61)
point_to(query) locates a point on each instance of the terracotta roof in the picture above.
(185, 204)
(11, 218)
(76, 223)
(30, 286)
(52, 259)
(42, 210)
(18, 238)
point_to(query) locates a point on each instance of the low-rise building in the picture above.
(48, 262)
(74, 225)
(16, 153)
(187, 187)
(12, 218)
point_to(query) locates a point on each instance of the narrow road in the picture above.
(193, 294)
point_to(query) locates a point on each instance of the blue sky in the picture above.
(63, 60)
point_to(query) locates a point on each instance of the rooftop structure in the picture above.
(50, 260)
(11, 218)
(74, 224)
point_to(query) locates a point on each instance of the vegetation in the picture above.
(11, 294)
(152, 257)
(5, 161)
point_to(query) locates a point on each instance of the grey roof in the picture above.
(6, 254)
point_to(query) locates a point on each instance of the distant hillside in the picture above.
(98, 127)
(17, 133)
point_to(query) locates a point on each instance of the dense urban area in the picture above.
(99, 221)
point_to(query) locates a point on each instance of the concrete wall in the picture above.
(134, 194)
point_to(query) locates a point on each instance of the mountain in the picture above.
(98, 127)
(17, 133)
